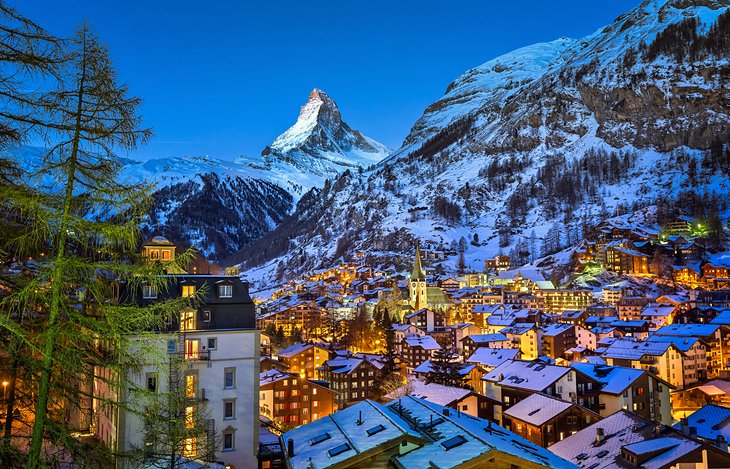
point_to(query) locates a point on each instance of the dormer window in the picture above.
(225, 291)
(149, 292)
(188, 291)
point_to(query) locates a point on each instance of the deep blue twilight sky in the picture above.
(224, 78)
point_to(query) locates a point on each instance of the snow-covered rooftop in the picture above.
(710, 421)
(426, 342)
(538, 409)
(493, 357)
(623, 429)
(533, 376)
(614, 378)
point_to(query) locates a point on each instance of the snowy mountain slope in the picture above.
(221, 206)
(566, 132)
(490, 83)
(318, 146)
(218, 214)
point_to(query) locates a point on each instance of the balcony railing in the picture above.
(196, 356)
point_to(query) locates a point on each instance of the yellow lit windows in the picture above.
(189, 416)
(188, 291)
(187, 320)
(190, 386)
(192, 349)
(190, 447)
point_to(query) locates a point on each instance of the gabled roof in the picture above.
(486, 338)
(493, 357)
(442, 437)
(682, 343)
(631, 350)
(538, 409)
(529, 274)
(692, 330)
(716, 387)
(294, 350)
(322, 442)
(272, 376)
(556, 328)
(532, 376)
(614, 379)
(436, 393)
(722, 318)
(624, 430)
(426, 342)
(343, 365)
(710, 421)
(461, 438)
(427, 367)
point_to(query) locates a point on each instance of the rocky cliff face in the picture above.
(218, 214)
(318, 146)
(222, 206)
(567, 131)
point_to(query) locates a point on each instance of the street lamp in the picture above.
(5, 390)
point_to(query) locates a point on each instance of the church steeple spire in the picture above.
(417, 273)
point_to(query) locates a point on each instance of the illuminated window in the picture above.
(165, 255)
(155, 254)
(187, 320)
(189, 417)
(190, 445)
(190, 386)
(188, 291)
(192, 349)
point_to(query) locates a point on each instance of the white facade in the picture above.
(226, 383)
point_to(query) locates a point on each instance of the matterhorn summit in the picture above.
(320, 144)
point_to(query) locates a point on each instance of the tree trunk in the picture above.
(58, 276)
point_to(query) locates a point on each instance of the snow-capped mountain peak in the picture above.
(320, 110)
(320, 145)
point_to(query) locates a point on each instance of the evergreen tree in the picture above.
(27, 52)
(445, 368)
(177, 425)
(87, 225)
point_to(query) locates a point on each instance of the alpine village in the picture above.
(537, 277)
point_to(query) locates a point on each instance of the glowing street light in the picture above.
(5, 390)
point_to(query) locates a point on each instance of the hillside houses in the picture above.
(546, 363)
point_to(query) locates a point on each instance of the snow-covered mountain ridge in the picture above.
(320, 145)
(567, 131)
(221, 206)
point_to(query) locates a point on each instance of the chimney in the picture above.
(446, 412)
(721, 442)
(684, 425)
(693, 432)
(600, 436)
(290, 447)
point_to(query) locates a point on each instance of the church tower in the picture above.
(417, 284)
